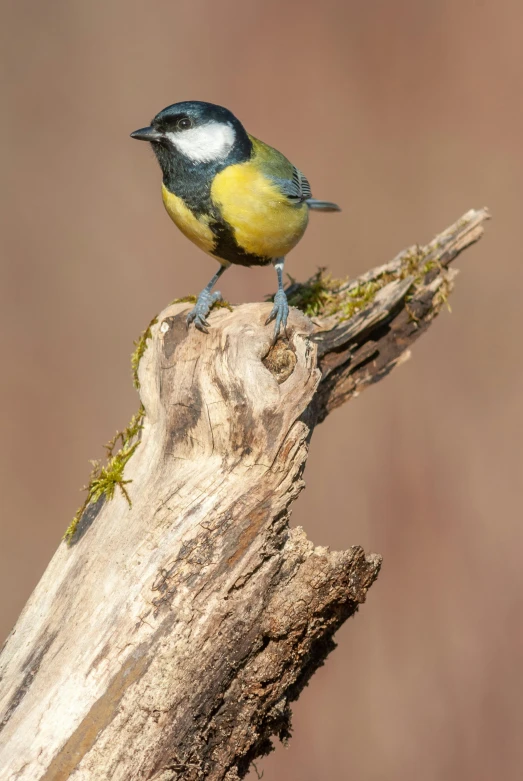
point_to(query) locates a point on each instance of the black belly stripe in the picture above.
(195, 193)
(227, 248)
(193, 185)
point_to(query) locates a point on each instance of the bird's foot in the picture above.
(280, 313)
(198, 314)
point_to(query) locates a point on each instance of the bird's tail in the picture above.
(322, 206)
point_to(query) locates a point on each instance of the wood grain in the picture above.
(169, 639)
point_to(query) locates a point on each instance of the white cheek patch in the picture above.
(206, 143)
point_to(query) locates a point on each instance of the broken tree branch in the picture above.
(167, 638)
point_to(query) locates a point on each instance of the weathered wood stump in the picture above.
(167, 638)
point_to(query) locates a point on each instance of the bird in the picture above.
(235, 197)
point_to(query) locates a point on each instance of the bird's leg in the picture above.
(280, 310)
(206, 299)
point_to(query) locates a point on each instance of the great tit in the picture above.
(235, 197)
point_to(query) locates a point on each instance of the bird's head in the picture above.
(195, 134)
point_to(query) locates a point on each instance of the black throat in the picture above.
(191, 181)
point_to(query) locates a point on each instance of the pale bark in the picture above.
(167, 641)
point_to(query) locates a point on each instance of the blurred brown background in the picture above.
(407, 113)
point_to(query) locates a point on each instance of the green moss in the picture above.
(323, 296)
(140, 347)
(442, 295)
(359, 297)
(184, 300)
(317, 296)
(411, 261)
(429, 266)
(220, 304)
(105, 479)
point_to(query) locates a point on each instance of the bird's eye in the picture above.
(184, 123)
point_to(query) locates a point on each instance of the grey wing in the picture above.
(302, 185)
(297, 189)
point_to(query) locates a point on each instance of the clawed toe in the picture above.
(198, 317)
(279, 313)
(198, 314)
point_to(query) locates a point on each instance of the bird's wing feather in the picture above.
(275, 166)
(296, 189)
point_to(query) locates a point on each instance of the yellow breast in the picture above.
(195, 228)
(263, 220)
